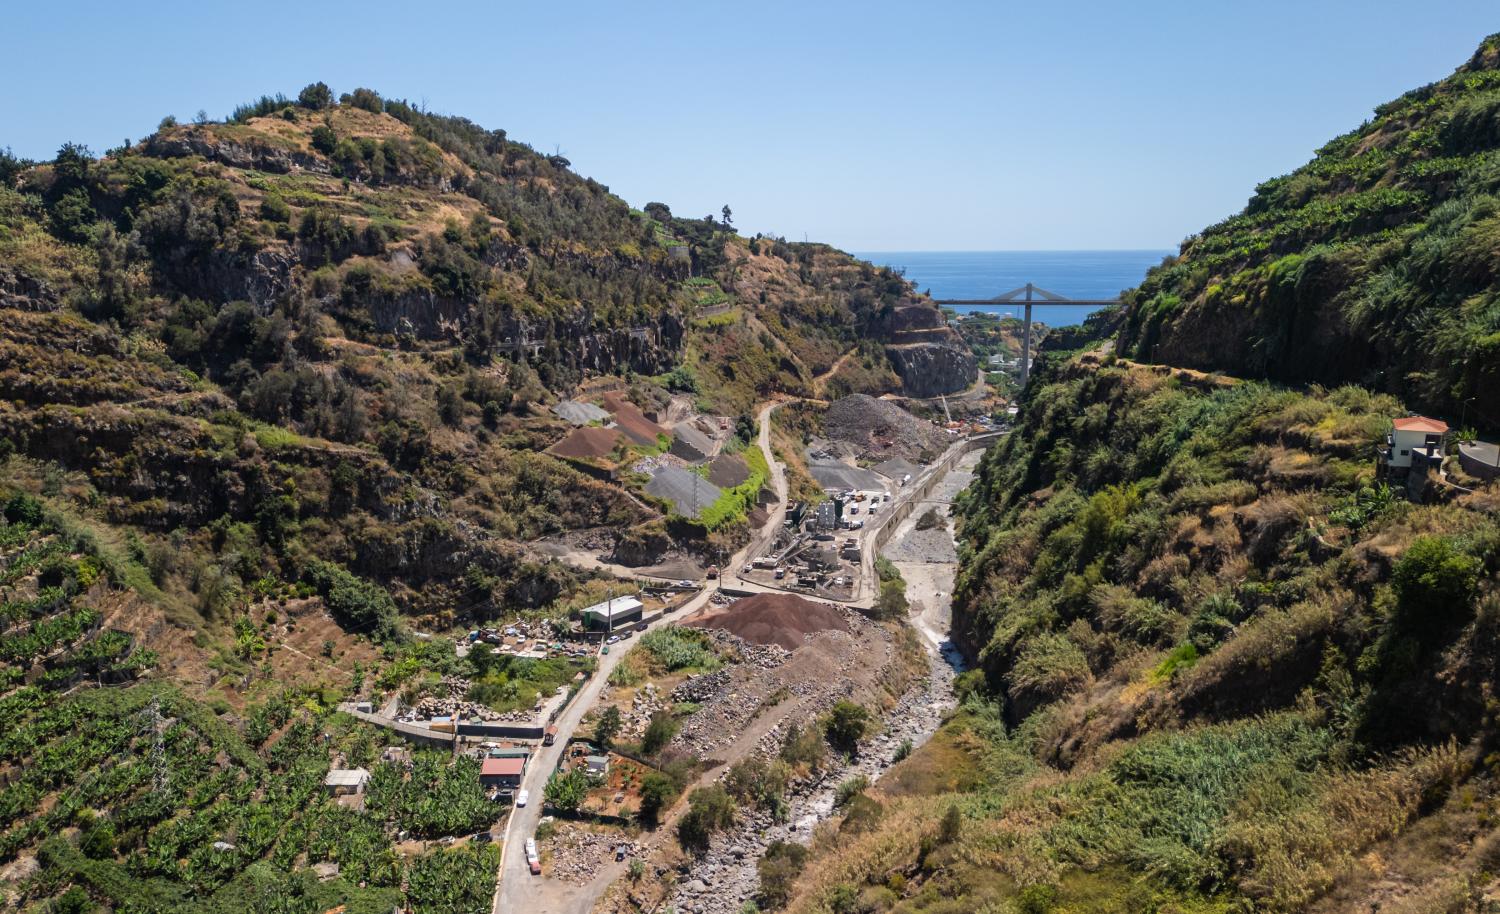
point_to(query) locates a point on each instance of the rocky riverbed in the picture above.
(725, 878)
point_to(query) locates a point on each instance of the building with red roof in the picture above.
(502, 772)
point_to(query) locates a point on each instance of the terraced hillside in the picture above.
(1221, 665)
(275, 395)
(1374, 263)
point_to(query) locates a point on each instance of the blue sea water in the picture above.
(985, 274)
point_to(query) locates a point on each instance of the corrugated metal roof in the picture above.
(500, 767)
(619, 606)
(346, 777)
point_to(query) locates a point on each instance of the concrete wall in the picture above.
(1476, 467)
(416, 734)
(926, 484)
(489, 730)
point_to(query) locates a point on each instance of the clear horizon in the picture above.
(872, 127)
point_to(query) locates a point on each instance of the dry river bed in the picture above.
(725, 878)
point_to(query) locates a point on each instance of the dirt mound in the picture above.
(881, 429)
(775, 618)
(586, 442)
(728, 471)
(631, 421)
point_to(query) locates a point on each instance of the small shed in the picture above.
(345, 781)
(598, 765)
(502, 772)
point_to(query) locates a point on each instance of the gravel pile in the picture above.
(775, 618)
(881, 429)
(934, 545)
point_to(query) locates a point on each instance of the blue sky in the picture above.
(873, 125)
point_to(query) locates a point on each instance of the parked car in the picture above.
(522, 797)
(483, 837)
(604, 650)
(686, 583)
(612, 639)
(619, 852)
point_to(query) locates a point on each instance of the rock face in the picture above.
(930, 356)
(932, 369)
(259, 156)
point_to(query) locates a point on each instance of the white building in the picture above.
(345, 781)
(1415, 437)
(613, 613)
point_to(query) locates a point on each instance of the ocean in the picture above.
(985, 274)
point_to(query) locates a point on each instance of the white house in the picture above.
(1415, 437)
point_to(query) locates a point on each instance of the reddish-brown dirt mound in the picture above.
(586, 442)
(775, 618)
(631, 421)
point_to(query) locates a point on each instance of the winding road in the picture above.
(517, 890)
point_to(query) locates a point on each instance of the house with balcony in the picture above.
(1413, 453)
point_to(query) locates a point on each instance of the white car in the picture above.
(522, 797)
(686, 583)
(612, 639)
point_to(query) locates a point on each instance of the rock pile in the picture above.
(881, 429)
(647, 701)
(577, 855)
(704, 688)
(453, 704)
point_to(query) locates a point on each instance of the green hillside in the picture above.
(1374, 263)
(275, 398)
(1219, 666)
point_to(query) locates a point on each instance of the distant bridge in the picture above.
(1032, 294)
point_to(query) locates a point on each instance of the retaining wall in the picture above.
(926, 484)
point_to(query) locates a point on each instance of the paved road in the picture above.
(511, 893)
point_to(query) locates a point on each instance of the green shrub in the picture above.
(315, 96)
(778, 870)
(846, 724)
(1435, 585)
(659, 732)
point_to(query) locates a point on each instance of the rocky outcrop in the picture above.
(259, 156)
(17, 290)
(640, 546)
(932, 369)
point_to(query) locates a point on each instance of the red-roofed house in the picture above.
(502, 772)
(1415, 438)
